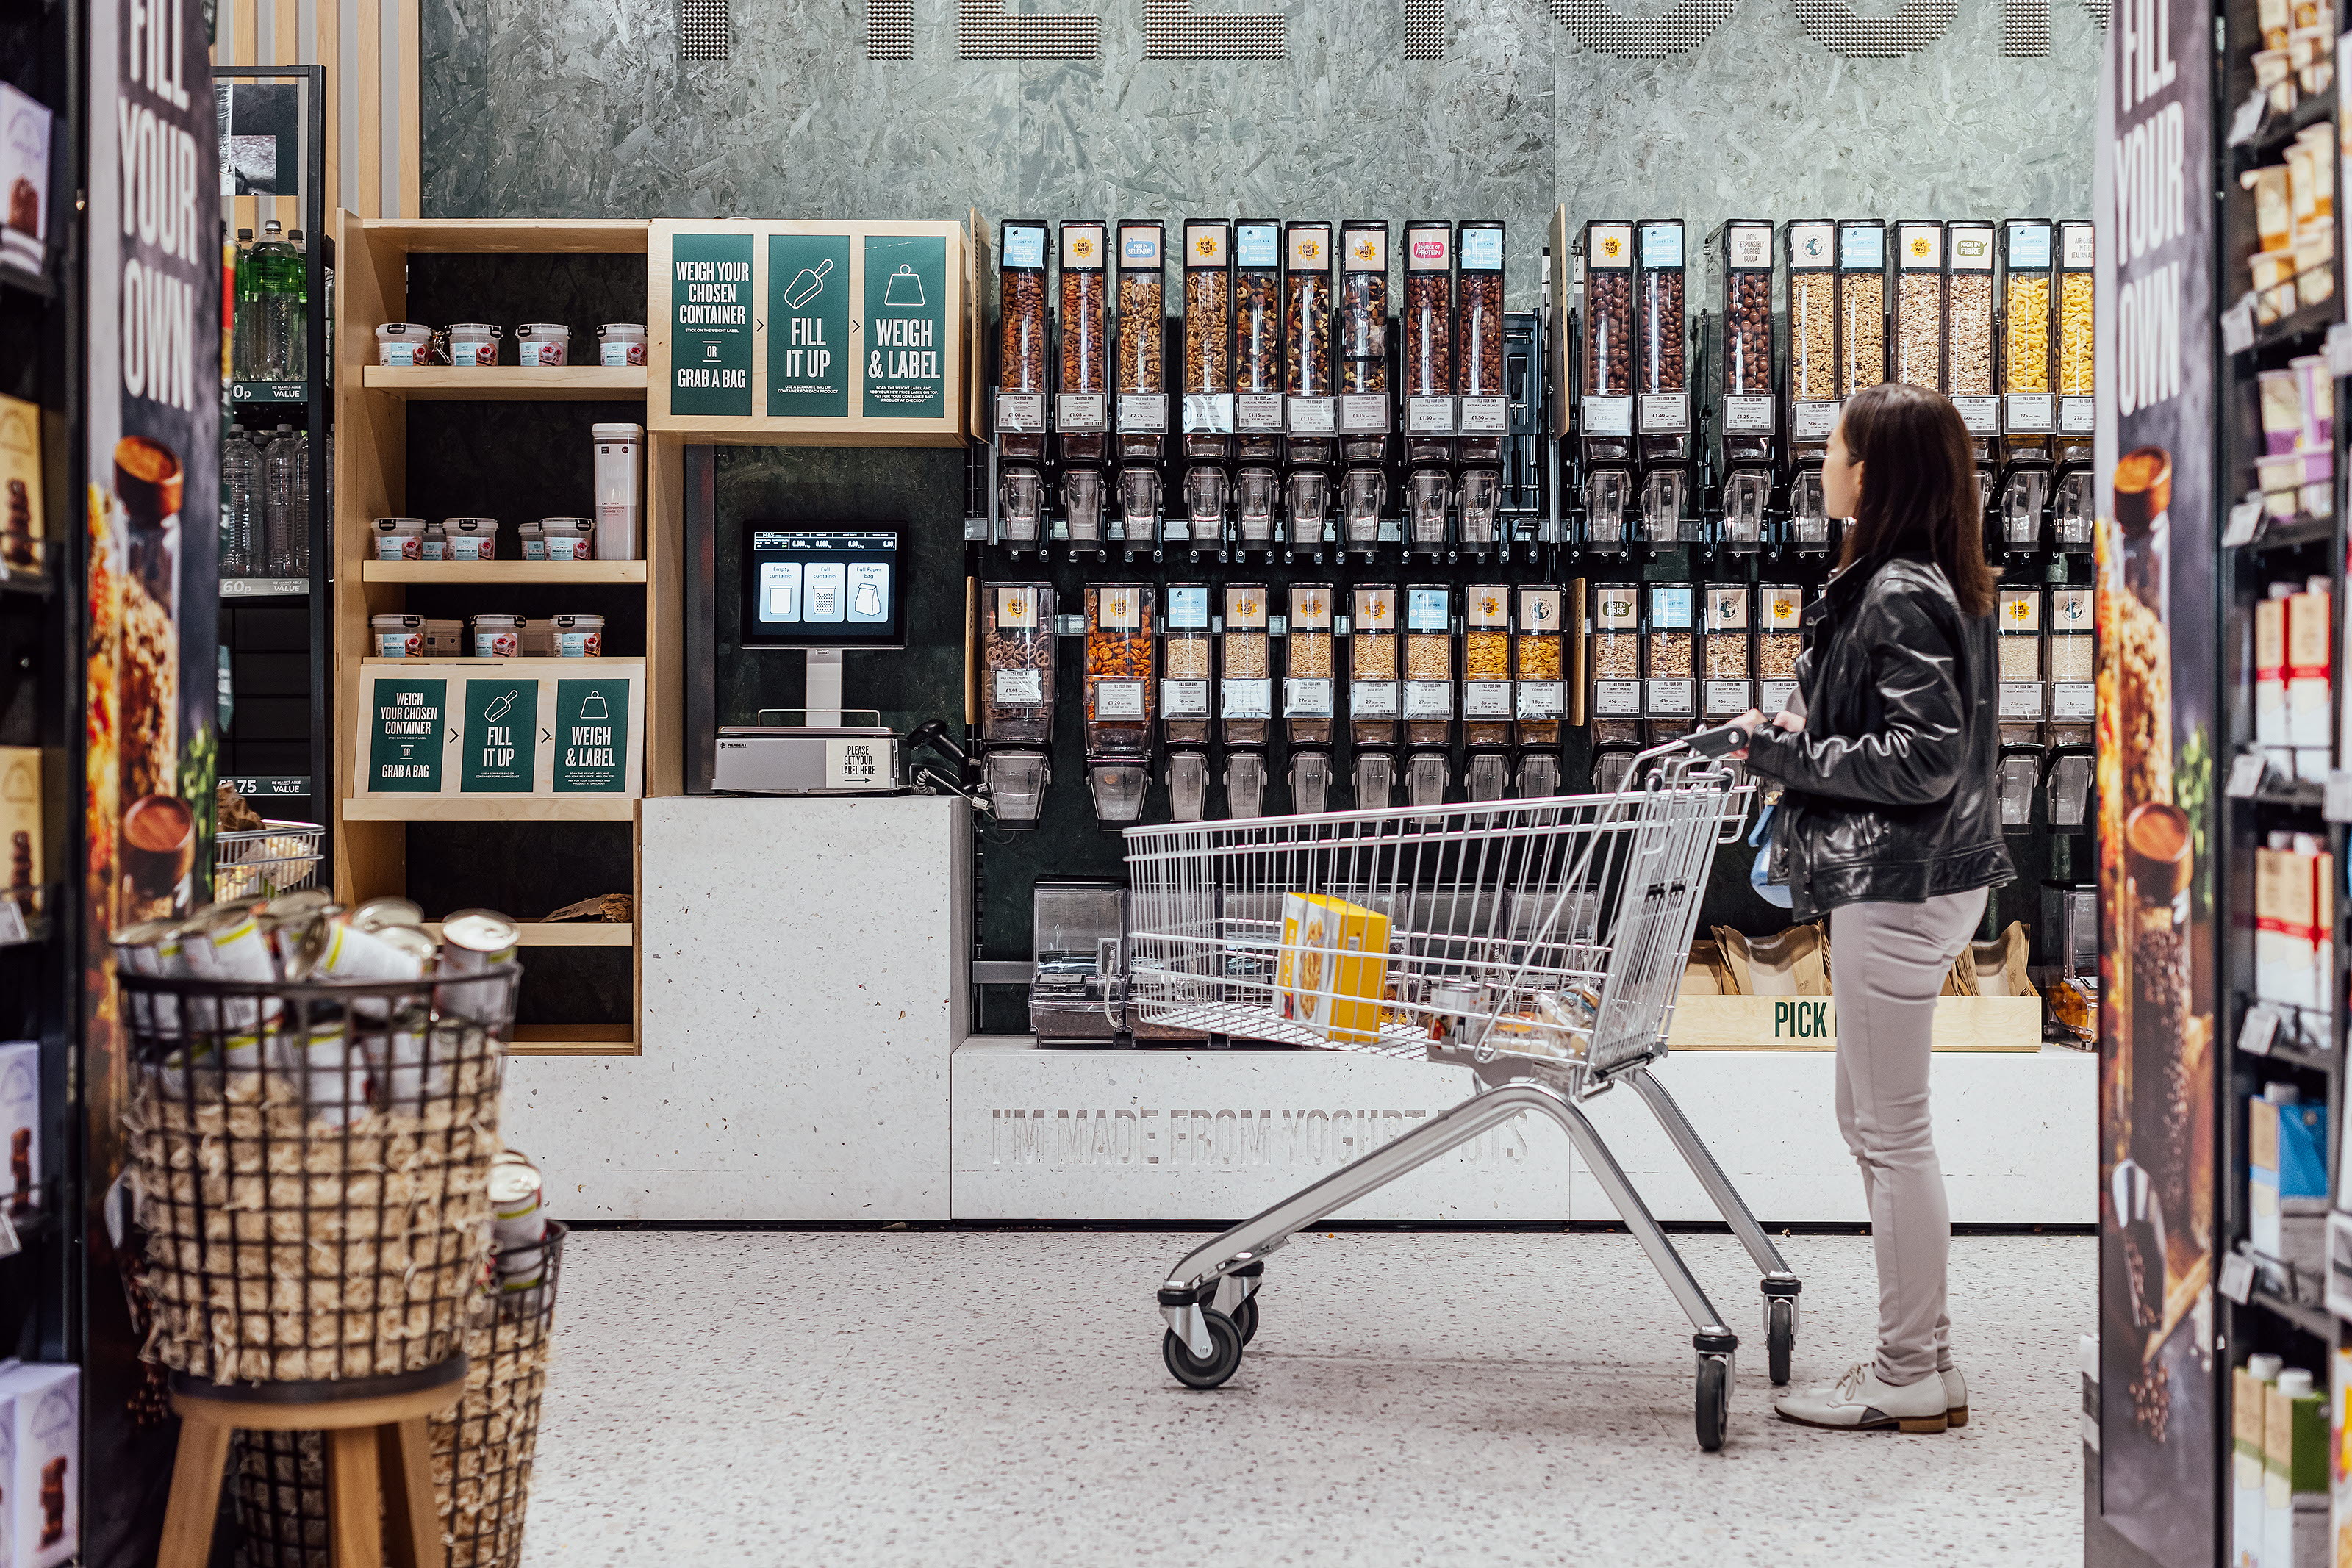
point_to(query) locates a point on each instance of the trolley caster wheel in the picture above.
(1714, 1401)
(1245, 1318)
(1779, 1337)
(1225, 1357)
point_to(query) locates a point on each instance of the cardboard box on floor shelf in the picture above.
(40, 1434)
(1772, 993)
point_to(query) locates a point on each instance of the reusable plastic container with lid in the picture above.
(435, 545)
(544, 343)
(403, 343)
(567, 539)
(471, 539)
(474, 343)
(398, 636)
(496, 636)
(620, 472)
(621, 343)
(579, 636)
(399, 538)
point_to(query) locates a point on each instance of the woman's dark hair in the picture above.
(1919, 486)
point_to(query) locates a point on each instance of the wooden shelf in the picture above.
(491, 666)
(492, 807)
(504, 236)
(564, 933)
(463, 571)
(572, 1039)
(509, 383)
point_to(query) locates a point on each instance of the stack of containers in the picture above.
(2297, 471)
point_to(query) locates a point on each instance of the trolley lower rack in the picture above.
(1539, 942)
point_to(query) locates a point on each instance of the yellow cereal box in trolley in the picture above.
(1331, 971)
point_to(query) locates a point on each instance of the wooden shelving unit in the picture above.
(508, 383)
(456, 573)
(372, 832)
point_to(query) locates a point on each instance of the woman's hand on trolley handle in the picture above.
(1753, 720)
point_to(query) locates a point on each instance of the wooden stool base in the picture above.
(379, 1456)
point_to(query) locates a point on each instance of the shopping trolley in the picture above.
(1538, 943)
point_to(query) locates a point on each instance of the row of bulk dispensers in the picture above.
(1304, 544)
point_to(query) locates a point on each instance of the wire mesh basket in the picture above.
(262, 863)
(482, 1450)
(312, 1164)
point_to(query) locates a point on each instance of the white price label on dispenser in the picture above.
(1372, 699)
(1019, 688)
(1119, 699)
(1305, 696)
(1146, 413)
(1486, 699)
(1543, 699)
(1079, 412)
(1248, 698)
(1747, 415)
(1181, 699)
(1429, 699)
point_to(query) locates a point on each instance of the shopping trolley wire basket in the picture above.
(1539, 942)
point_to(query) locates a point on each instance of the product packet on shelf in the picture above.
(41, 1444)
(20, 1127)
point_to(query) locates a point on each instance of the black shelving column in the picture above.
(41, 715)
(276, 733)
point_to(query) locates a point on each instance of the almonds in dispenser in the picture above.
(1081, 406)
(1119, 693)
(1257, 340)
(1306, 310)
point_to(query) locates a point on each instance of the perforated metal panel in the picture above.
(1424, 29)
(1680, 29)
(704, 31)
(2098, 10)
(986, 31)
(2025, 28)
(889, 29)
(1172, 30)
(1914, 25)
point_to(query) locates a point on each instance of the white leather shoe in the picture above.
(1956, 1396)
(1859, 1402)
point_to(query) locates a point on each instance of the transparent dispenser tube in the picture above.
(1374, 696)
(1429, 665)
(1245, 697)
(1185, 672)
(1307, 684)
(1486, 667)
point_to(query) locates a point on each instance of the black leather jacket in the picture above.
(1891, 792)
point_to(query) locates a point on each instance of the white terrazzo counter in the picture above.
(805, 988)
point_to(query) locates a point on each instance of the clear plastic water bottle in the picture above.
(266, 261)
(240, 494)
(284, 487)
(246, 356)
(290, 298)
(297, 542)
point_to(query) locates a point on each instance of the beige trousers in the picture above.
(1887, 963)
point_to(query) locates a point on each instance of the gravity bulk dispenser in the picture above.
(2073, 495)
(1208, 268)
(1662, 384)
(1605, 383)
(2023, 702)
(1670, 660)
(1429, 665)
(2072, 646)
(1482, 408)
(1540, 690)
(1257, 384)
(1812, 377)
(1082, 403)
(1750, 393)
(1427, 333)
(1487, 689)
(1308, 658)
(1375, 698)
(1016, 716)
(1969, 372)
(1919, 344)
(2028, 410)
(1077, 986)
(1310, 387)
(1185, 678)
(1780, 638)
(1362, 334)
(1119, 699)
(1142, 368)
(1727, 655)
(1616, 666)
(1023, 345)
(1245, 698)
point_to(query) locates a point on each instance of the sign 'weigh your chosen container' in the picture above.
(842, 333)
(458, 729)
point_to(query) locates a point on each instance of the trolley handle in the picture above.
(1713, 743)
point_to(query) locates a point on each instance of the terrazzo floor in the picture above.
(1427, 1399)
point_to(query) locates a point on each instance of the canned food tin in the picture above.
(152, 948)
(378, 912)
(496, 636)
(419, 1053)
(519, 1224)
(476, 942)
(333, 1075)
(225, 942)
(300, 903)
